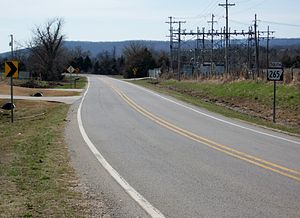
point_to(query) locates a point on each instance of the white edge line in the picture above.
(210, 116)
(151, 210)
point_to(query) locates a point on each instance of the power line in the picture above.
(219, 38)
(239, 22)
(250, 7)
(212, 3)
(279, 23)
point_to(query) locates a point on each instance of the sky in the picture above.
(118, 20)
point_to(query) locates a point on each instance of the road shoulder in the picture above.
(104, 196)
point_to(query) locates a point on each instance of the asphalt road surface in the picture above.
(162, 157)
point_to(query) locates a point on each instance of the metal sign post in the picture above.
(12, 99)
(11, 81)
(275, 73)
(71, 70)
(12, 71)
(274, 103)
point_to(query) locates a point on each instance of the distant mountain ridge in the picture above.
(97, 47)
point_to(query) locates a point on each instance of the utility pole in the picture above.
(212, 42)
(171, 41)
(221, 41)
(11, 44)
(197, 46)
(268, 32)
(268, 39)
(249, 50)
(268, 44)
(256, 47)
(179, 49)
(203, 43)
(226, 5)
(171, 22)
(251, 32)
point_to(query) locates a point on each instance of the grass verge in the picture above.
(69, 83)
(249, 101)
(35, 176)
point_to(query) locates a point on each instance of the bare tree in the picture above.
(46, 50)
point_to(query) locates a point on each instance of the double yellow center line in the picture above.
(290, 173)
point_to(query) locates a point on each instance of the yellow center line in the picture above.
(230, 151)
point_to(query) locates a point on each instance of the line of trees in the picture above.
(47, 58)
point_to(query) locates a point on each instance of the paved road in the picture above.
(185, 161)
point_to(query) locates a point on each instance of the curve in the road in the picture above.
(213, 117)
(290, 173)
(150, 209)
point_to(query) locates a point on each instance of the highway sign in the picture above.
(134, 70)
(275, 74)
(11, 69)
(70, 69)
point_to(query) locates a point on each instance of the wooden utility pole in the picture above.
(12, 80)
(171, 41)
(226, 5)
(256, 47)
(268, 39)
(197, 46)
(203, 43)
(171, 22)
(268, 44)
(249, 46)
(179, 49)
(212, 42)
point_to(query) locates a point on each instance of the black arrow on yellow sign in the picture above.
(11, 69)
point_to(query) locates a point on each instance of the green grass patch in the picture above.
(288, 97)
(250, 101)
(35, 176)
(69, 83)
(116, 76)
